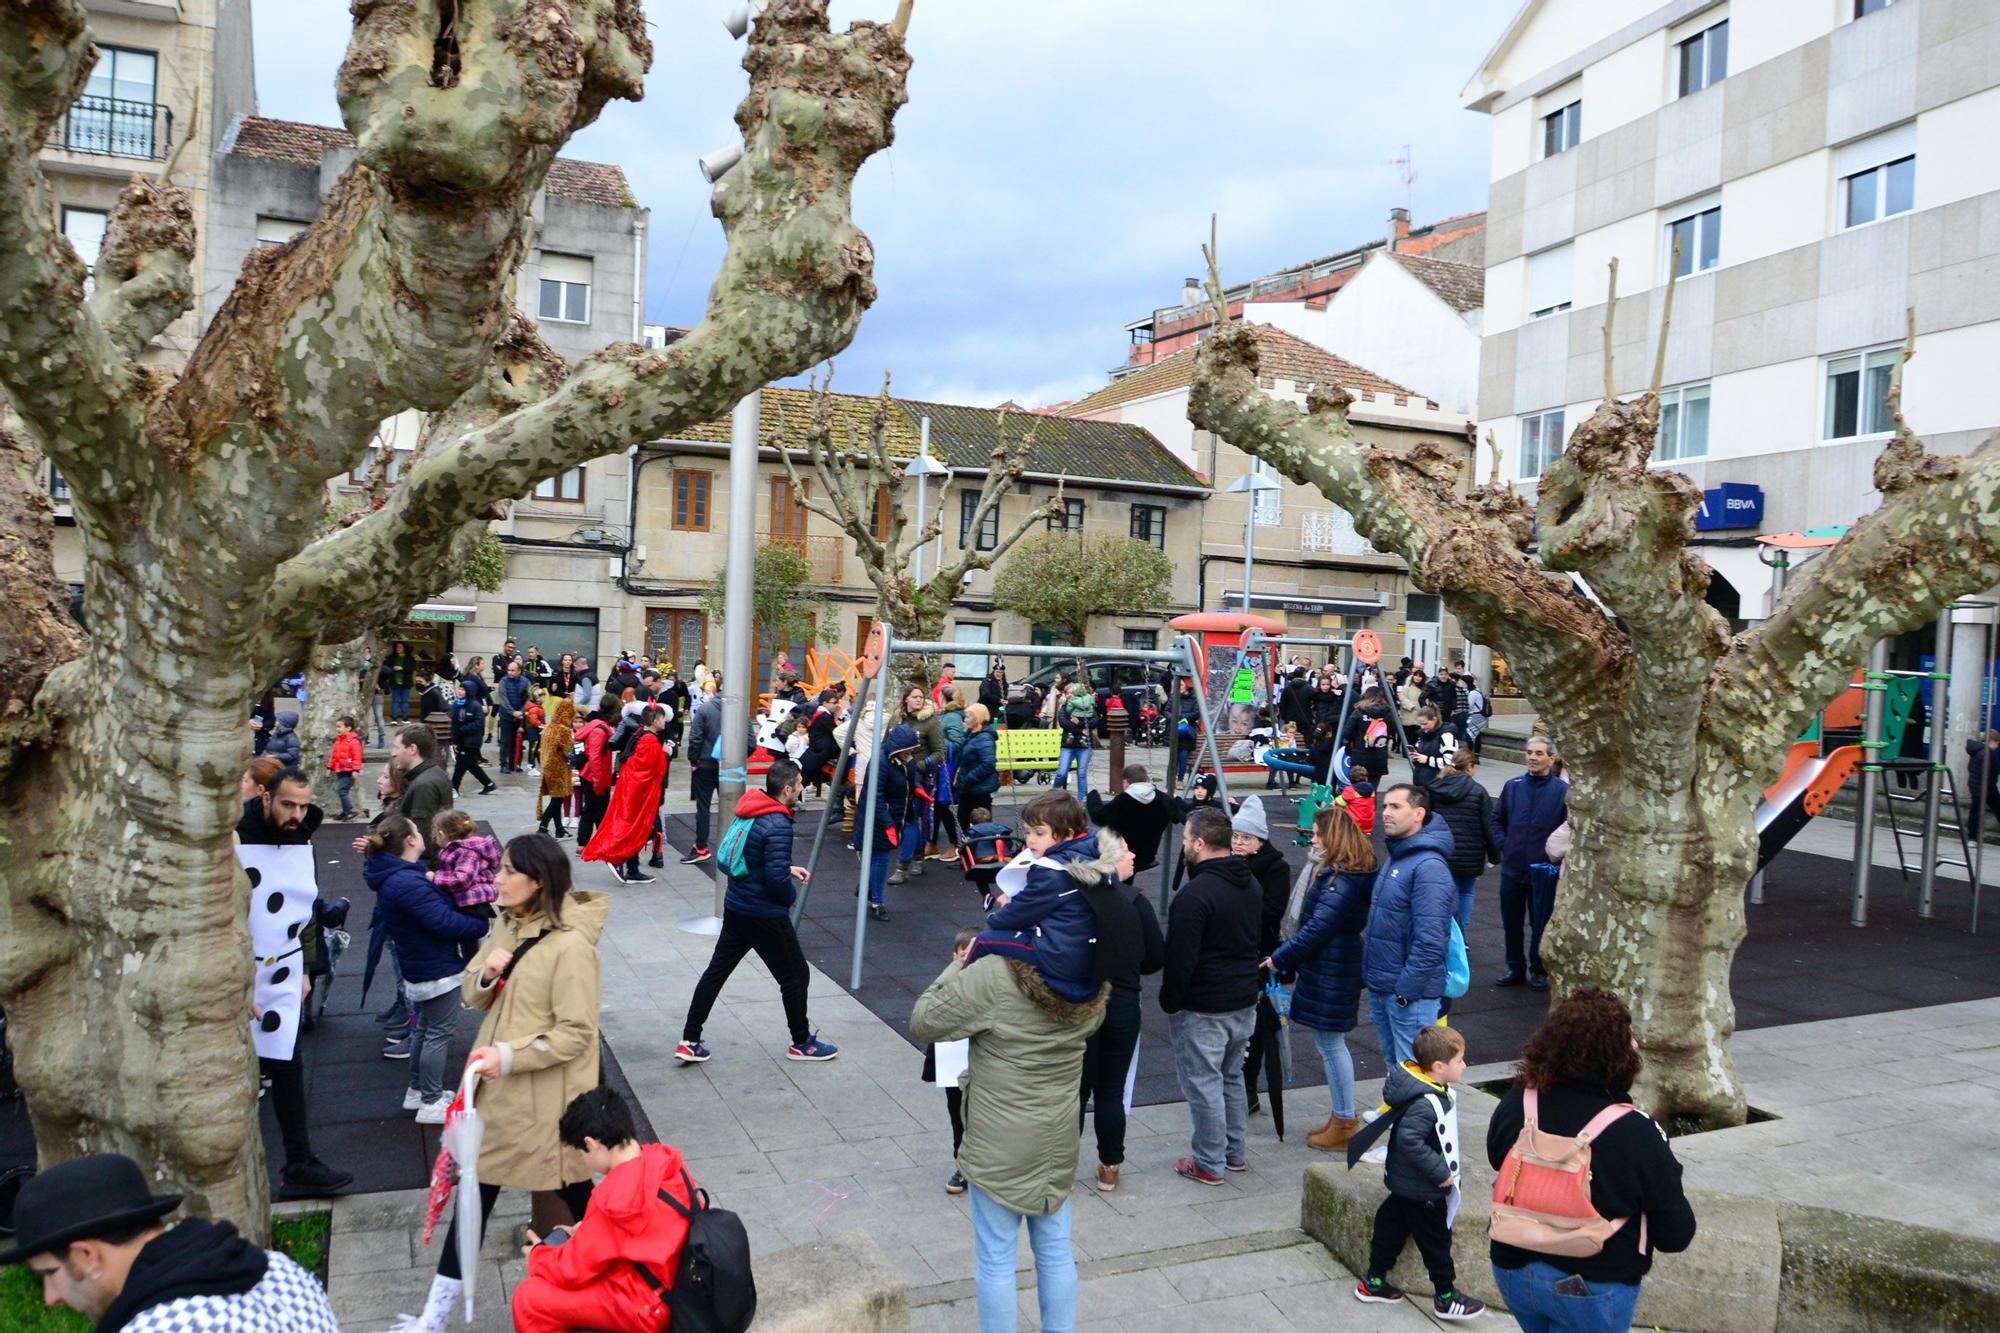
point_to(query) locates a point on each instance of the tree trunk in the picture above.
(919, 624)
(1651, 910)
(333, 690)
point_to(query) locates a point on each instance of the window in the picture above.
(1549, 278)
(1694, 243)
(118, 113)
(1863, 8)
(1683, 423)
(1143, 640)
(1880, 192)
(971, 666)
(398, 460)
(1541, 442)
(863, 627)
(1070, 519)
(1562, 129)
(1149, 524)
(1270, 504)
(878, 522)
(788, 514)
(1704, 58)
(565, 295)
(58, 486)
(277, 231)
(691, 491)
(1857, 393)
(988, 535)
(682, 635)
(83, 228)
(555, 630)
(568, 487)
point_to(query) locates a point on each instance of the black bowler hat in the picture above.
(79, 1199)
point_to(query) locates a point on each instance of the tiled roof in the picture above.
(1460, 286)
(1280, 356)
(963, 437)
(296, 141)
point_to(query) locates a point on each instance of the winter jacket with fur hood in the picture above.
(1020, 1144)
(1139, 815)
(1053, 909)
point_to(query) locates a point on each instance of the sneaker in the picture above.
(432, 1113)
(1538, 981)
(412, 1099)
(813, 1049)
(560, 833)
(695, 856)
(489, 789)
(397, 1050)
(1107, 1178)
(657, 861)
(1455, 1307)
(633, 876)
(897, 876)
(691, 1053)
(1236, 1166)
(1511, 977)
(956, 1185)
(312, 1178)
(1375, 1291)
(1189, 1169)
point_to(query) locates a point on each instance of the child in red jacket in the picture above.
(345, 762)
(587, 1276)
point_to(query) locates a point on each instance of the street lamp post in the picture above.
(923, 467)
(1250, 484)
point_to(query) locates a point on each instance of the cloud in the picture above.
(1054, 171)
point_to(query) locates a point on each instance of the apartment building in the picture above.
(1822, 166)
(1116, 478)
(583, 282)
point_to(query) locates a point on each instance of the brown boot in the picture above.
(1334, 1134)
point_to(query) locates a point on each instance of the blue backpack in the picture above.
(1457, 966)
(730, 854)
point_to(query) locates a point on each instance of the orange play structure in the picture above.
(1810, 778)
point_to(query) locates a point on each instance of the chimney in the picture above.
(1191, 292)
(1399, 227)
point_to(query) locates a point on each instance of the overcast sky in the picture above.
(1053, 173)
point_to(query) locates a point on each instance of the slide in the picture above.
(1801, 791)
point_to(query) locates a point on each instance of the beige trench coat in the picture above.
(544, 1022)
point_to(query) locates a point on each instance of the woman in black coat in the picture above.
(821, 748)
(1324, 955)
(1467, 808)
(1326, 702)
(1107, 1057)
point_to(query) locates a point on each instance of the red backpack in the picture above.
(1541, 1198)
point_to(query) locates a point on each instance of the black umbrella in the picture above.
(1269, 1039)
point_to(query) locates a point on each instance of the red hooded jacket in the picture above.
(626, 1222)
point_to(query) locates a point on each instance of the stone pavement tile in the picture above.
(1259, 1270)
(1120, 1294)
(371, 1300)
(1264, 1210)
(1249, 1313)
(1118, 1234)
(354, 1251)
(945, 1316)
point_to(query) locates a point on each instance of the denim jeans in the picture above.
(344, 784)
(1530, 1296)
(878, 873)
(430, 1033)
(1398, 1025)
(399, 703)
(911, 845)
(1333, 1053)
(994, 1228)
(1464, 884)
(1208, 1060)
(1067, 759)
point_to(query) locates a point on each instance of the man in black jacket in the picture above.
(1209, 989)
(1139, 814)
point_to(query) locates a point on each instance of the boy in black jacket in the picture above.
(1139, 814)
(1421, 1172)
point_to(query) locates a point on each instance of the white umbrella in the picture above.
(462, 1134)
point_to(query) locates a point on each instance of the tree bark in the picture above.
(333, 690)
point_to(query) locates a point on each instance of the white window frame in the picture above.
(278, 231)
(972, 666)
(1270, 505)
(1672, 444)
(1877, 184)
(557, 489)
(1567, 122)
(397, 465)
(89, 260)
(1561, 257)
(1706, 215)
(1710, 76)
(566, 278)
(1542, 455)
(1867, 361)
(1861, 9)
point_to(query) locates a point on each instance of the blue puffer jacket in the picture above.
(1325, 954)
(423, 925)
(768, 890)
(1053, 906)
(1529, 809)
(1409, 923)
(978, 775)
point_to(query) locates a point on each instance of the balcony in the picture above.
(108, 127)
(1331, 532)
(827, 555)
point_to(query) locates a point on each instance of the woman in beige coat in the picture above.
(536, 978)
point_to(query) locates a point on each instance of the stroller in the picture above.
(986, 850)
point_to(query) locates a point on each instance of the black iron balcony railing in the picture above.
(109, 127)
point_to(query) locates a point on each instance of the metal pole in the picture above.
(867, 795)
(1874, 683)
(1249, 539)
(923, 451)
(1184, 650)
(740, 573)
(1934, 780)
(1779, 564)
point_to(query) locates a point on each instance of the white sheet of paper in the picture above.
(1131, 1075)
(953, 1059)
(283, 885)
(1451, 1200)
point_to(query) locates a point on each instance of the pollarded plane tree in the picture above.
(124, 962)
(1670, 726)
(851, 478)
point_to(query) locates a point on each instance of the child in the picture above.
(1047, 921)
(988, 847)
(1421, 1172)
(954, 1095)
(467, 861)
(536, 714)
(1358, 799)
(1203, 797)
(345, 762)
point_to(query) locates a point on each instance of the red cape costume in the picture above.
(635, 799)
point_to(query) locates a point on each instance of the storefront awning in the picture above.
(441, 613)
(1325, 606)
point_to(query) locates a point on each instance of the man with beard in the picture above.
(283, 815)
(413, 751)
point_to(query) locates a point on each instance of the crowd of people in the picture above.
(1031, 1027)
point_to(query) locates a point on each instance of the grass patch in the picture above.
(303, 1238)
(1678, 1126)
